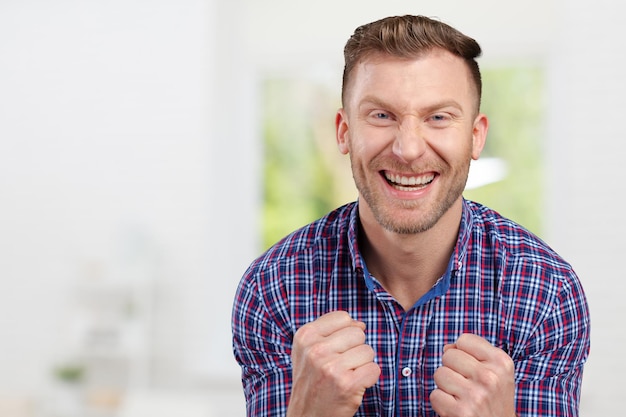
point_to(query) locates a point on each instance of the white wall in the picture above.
(587, 146)
(121, 143)
(129, 138)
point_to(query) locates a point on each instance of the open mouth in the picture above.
(408, 182)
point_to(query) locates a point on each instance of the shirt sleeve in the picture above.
(549, 364)
(262, 347)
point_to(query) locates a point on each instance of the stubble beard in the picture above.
(416, 217)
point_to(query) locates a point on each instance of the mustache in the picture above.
(416, 168)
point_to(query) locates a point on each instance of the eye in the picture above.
(380, 118)
(440, 120)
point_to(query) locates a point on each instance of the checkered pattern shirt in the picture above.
(502, 283)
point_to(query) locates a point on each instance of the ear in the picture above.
(341, 130)
(479, 135)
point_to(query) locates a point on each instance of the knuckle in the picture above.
(440, 375)
(508, 366)
(318, 351)
(489, 379)
(328, 370)
(357, 334)
(305, 334)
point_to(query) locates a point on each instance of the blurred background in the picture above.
(150, 150)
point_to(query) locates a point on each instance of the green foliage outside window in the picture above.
(514, 103)
(305, 176)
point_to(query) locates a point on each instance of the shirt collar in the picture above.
(458, 254)
(353, 233)
(462, 243)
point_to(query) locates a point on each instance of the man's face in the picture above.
(411, 128)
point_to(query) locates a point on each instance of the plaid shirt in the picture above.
(502, 283)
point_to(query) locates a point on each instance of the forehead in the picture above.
(435, 74)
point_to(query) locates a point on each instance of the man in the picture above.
(411, 301)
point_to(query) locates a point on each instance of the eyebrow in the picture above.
(376, 101)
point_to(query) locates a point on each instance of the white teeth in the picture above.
(403, 180)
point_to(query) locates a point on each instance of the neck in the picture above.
(408, 265)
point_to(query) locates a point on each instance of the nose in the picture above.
(410, 142)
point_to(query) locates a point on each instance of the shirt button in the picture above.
(406, 371)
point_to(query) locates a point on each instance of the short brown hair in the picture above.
(409, 37)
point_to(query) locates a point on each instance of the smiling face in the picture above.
(411, 127)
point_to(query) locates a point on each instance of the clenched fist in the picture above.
(476, 379)
(332, 367)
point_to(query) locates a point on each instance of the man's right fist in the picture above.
(332, 367)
